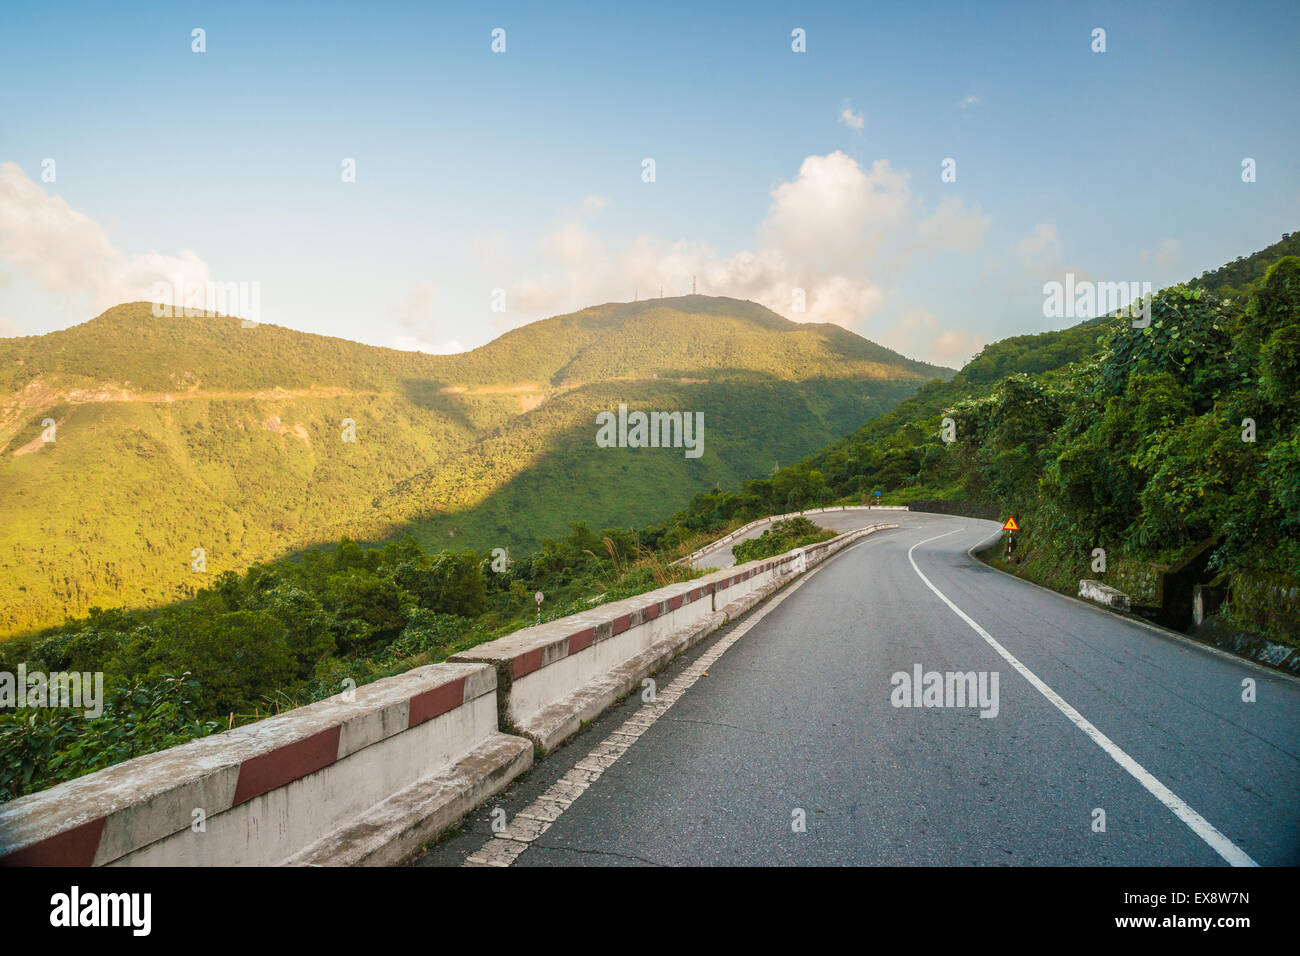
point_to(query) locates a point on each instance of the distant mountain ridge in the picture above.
(128, 344)
(191, 442)
(1231, 279)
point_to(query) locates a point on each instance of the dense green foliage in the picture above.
(1232, 281)
(187, 432)
(1152, 452)
(1102, 435)
(1143, 441)
(781, 537)
(41, 746)
(1178, 432)
(291, 632)
(899, 452)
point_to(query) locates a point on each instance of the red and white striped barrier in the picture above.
(567, 671)
(745, 529)
(258, 794)
(367, 777)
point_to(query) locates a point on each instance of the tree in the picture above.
(239, 658)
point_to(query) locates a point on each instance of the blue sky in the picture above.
(522, 171)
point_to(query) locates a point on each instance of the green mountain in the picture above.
(900, 451)
(897, 452)
(1100, 435)
(175, 434)
(1159, 444)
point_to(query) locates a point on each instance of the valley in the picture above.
(172, 433)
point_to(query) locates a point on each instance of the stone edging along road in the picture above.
(368, 776)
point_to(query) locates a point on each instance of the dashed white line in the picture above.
(1198, 824)
(535, 819)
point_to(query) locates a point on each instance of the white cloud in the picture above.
(648, 264)
(916, 333)
(594, 203)
(851, 119)
(836, 214)
(422, 331)
(968, 101)
(1042, 245)
(953, 226)
(1041, 257)
(409, 343)
(1164, 257)
(954, 347)
(573, 244)
(837, 230)
(66, 252)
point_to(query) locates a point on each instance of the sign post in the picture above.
(1010, 527)
(538, 598)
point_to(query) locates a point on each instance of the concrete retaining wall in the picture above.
(964, 509)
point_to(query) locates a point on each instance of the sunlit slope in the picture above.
(687, 335)
(181, 433)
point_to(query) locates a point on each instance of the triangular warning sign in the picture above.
(1011, 525)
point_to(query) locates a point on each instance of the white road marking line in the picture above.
(535, 819)
(1198, 824)
(1156, 629)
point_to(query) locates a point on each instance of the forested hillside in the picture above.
(1142, 442)
(1101, 435)
(141, 456)
(896, 452)
(290, 631)
(1233, 280)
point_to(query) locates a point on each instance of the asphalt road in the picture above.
(797, 716)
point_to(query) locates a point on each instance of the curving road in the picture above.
(721, 556)
(1095, 713)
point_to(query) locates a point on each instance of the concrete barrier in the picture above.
(745, 529)
(565, 672)
(287, 787)
(368, 777)
(1104, 594)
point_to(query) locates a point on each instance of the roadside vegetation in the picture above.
(1139, 441)
(292, 632)
(783, 536)
(175, 433)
